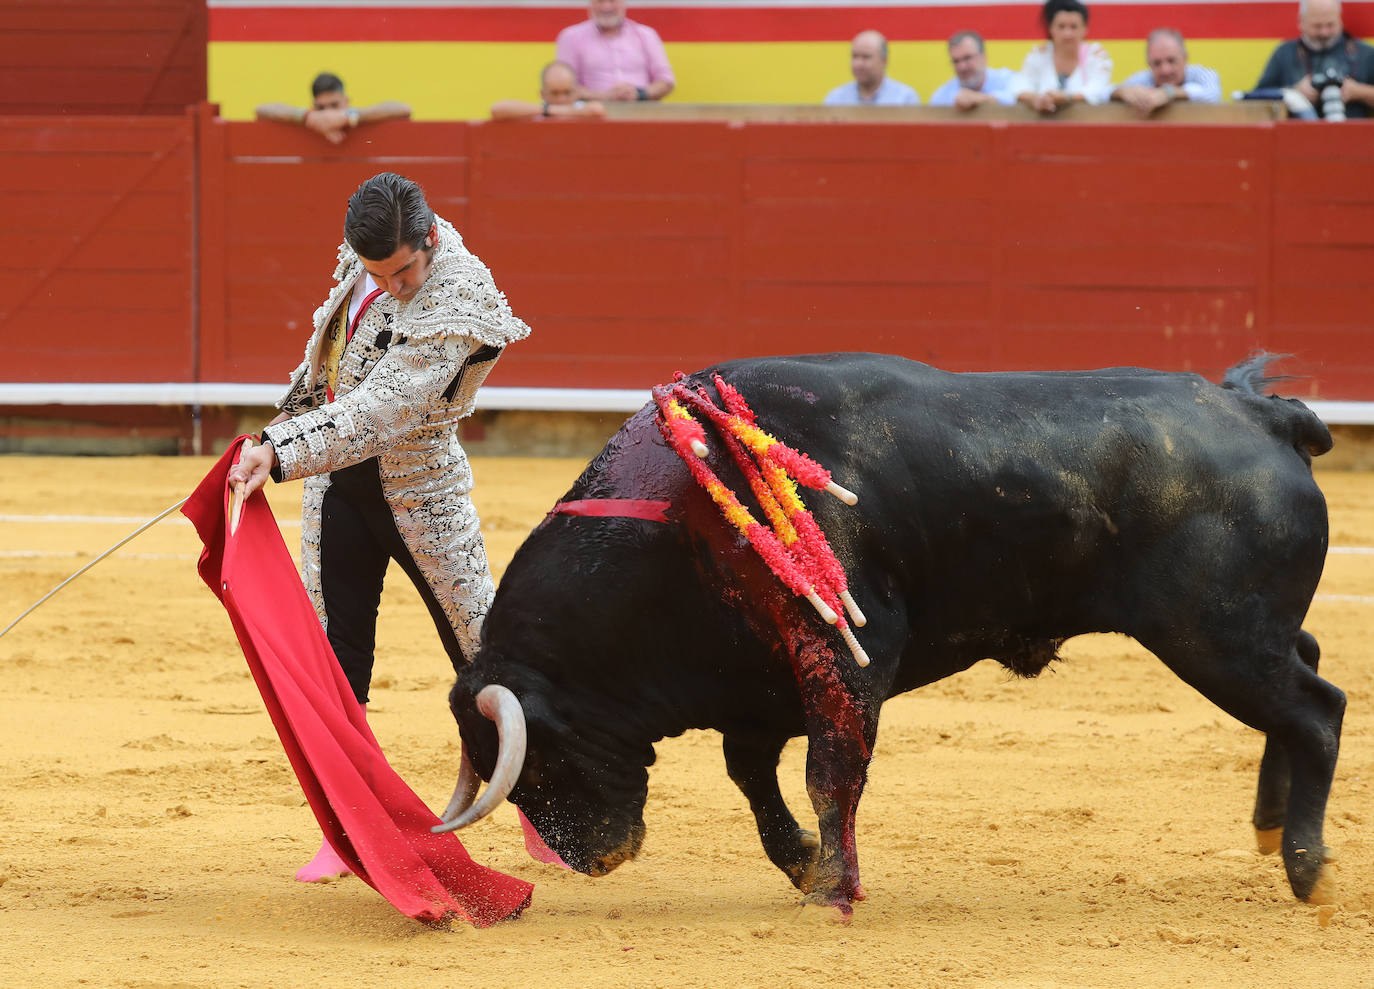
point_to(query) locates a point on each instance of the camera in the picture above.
(1327, 82)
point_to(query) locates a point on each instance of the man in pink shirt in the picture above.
(614, 57)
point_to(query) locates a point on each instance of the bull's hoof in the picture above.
(1268, 840)
(1323, 891)
(825, 907)
(1309, 874)
(801, 863)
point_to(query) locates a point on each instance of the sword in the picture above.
(236, 508)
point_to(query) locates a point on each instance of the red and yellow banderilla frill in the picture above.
(792, 545)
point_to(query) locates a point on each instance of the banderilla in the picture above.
(152, 521)
(235, 509)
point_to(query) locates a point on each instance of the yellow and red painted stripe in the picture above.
(451, 59)
(758, 21)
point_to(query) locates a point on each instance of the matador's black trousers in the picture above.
(358, 537)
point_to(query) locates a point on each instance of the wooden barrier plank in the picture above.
(669, 257)
(40, 136)
(106, 287)
(1085, 182)
(1130, 266)
(540, 214)
(121, 91)
(962, 220)
(912, 261)
(1323, 267)
(866, 141)
(1323, 222)
(1126, 220)
(156, 289)
(1172, 310)
(85, 343)
(1084, 348)
(570, 140)
(871, 179)
(1323, 307)
(612, 295)
(611, 176)
(635, 247)
(92, 172)
(1141, 142)
(958, 307)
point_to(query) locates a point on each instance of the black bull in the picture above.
(998, 515)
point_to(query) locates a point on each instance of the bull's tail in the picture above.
(1287, 418)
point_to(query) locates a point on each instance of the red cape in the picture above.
(376, 823)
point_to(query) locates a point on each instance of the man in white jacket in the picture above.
(370, 421)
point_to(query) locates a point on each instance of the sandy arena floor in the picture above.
(1090, 828)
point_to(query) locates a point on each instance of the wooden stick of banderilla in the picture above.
(235, 511)
(156, 518)
(237, 500)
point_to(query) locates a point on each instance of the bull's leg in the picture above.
(836, 770)
(1283, 697)
(752, 763)
(1271, 800)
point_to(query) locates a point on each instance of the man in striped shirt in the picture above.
(1170, 76)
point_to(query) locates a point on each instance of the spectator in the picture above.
(871, 86)
(558, 93)
(614, 57)
(329, 114)
(1323, 51)
(1170, 76)
(1067, 68)
(974, 83)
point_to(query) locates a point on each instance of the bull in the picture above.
(998, 515)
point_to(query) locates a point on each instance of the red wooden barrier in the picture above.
(1320, 237)
(102, 56)
(97, 213)
(635, 249)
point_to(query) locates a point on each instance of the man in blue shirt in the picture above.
(871, 85)
(974, 83)
(1170, 76)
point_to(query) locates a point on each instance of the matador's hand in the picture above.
(253, 468)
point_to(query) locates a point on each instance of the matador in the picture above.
(411, 329)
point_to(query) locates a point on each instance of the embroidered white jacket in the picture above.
(409, 374)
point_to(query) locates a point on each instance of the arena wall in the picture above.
(195, 249)
(102, 56)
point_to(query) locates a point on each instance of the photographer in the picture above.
(1331, 70)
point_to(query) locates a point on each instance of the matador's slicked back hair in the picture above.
(387, 212)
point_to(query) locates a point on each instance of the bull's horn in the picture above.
(503, 707)
(466, 790)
